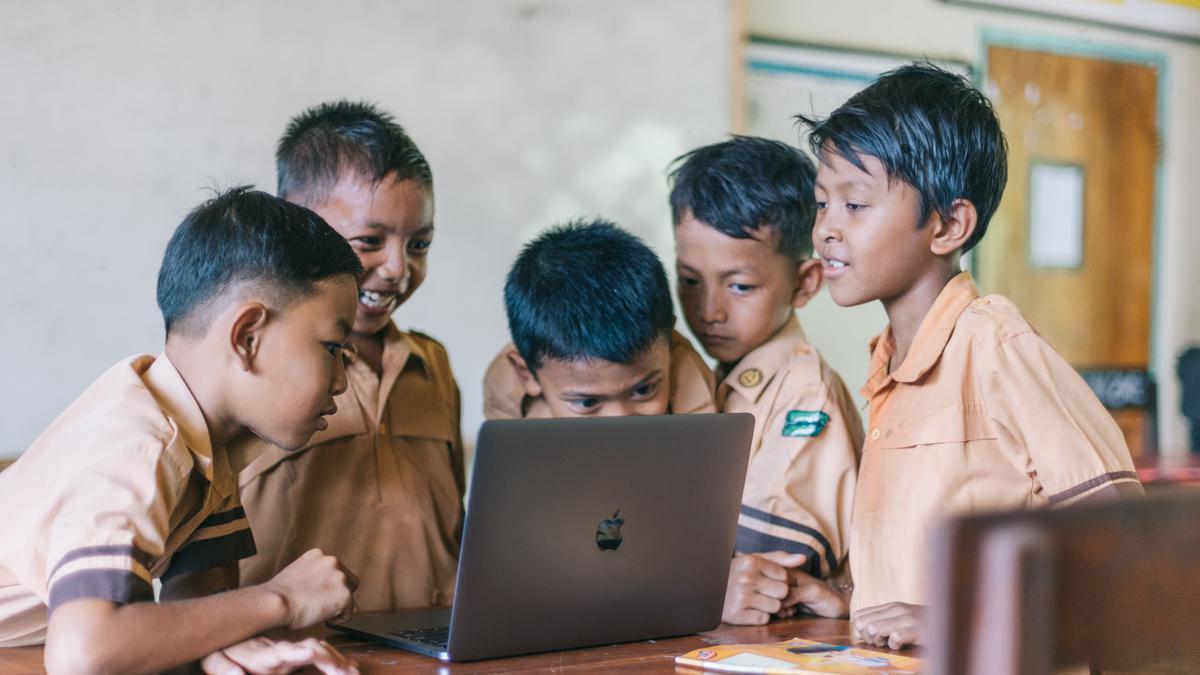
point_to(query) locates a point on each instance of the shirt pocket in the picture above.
(954, 426)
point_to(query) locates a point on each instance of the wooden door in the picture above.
(1100, 118)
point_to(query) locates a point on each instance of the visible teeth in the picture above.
(836, 263)
(375, 299)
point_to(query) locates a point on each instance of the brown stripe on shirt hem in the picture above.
(119, 586)
(1103, 479)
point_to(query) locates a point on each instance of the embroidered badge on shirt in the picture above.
(804, 423)
(750, 377)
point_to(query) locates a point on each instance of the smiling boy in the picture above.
(970, 408)
(391, 460)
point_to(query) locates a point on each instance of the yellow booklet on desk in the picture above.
(797, 656)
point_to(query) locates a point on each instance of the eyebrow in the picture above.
(724, 274)
(581, 394)
(380, 226)
(345, 328)
(847, 184)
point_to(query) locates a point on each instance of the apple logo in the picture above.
(608, 532)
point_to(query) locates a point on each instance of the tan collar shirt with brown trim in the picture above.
(381, 488)
(804, 456)
(692, 386)
(982, 414)
(123, 488)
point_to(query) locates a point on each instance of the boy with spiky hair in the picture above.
(391, 460)
(589, 309)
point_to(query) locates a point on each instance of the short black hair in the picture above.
(929, 128)
(339, 137)
(747, 183)
(245, 236)
(587, 289)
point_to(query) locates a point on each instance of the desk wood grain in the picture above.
(651, 656)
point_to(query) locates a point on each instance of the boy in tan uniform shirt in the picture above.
(133, 483)
(382, 487)
(590, 313)
(743, 214)
(970, 409)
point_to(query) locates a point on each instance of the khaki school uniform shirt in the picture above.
(982, 414)
(804, 455)
(381, 488)
(123, 488)
(691, 384)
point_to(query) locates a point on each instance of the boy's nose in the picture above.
(825, 230)
(394, 266)
(339, 384)
(712, 309)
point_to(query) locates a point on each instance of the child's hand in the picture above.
(268, 657)
(893, 625)
(815, 595)
(314, 588)
(758, 586)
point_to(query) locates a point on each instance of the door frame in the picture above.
(1067, 46)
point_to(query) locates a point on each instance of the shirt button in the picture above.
(875, 434)
(382, 428)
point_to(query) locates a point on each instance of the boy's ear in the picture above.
(953, 232)
(245, 333)
(528, 380)
(808, 281)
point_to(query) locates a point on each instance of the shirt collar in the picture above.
(767, 360)
(930, 341)
(175, 398)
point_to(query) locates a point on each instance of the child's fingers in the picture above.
(219, 664)
(785, 559)
(330, 661)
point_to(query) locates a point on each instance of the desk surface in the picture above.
(654, 656)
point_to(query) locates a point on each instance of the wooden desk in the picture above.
(655, 656)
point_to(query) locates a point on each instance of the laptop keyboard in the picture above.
(438, 636)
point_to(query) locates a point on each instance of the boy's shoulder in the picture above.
(991, 321)
(123, 408)
(693, 386)
(789, 362)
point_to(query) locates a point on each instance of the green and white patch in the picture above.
(804, 423)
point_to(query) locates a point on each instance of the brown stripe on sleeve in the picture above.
(203, 554)
(1089, 485)
(119, 586)
(107, 551)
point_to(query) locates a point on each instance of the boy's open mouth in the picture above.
(377, 300)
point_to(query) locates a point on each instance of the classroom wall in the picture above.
(936, 29)
(119, 116)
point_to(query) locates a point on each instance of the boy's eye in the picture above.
(688, 282)
(820, 205)
(645, 391)
(334, 348)
(855, 207)
(419, 245)
(584, 405)
(367, 242)
(741, 289)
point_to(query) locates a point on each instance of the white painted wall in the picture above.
(118, 115)
(931, 28)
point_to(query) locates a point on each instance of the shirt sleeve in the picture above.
(1049, 416)
(110, 527)
(800, 485)
(503, 393)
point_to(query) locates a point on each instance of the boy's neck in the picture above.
(907, 311)
(369, 348)
(203, 381)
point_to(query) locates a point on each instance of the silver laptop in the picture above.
(584, 532)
